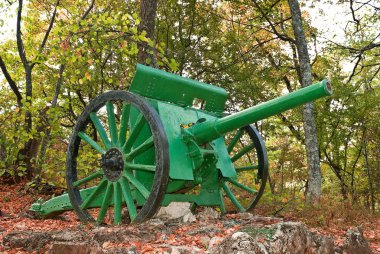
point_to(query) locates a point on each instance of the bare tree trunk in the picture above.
(272, 184)
(148, 11)
(368, 171)
(313, 191)
(47, 136)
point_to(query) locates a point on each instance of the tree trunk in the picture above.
(47, 136)
(313, 191)
(367, 167)
(148, 10)
(30, 145)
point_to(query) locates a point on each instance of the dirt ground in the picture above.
(15, 200)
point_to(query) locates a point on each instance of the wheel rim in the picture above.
(127, 138)
(249, 157)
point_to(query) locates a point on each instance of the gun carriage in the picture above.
(153, 147)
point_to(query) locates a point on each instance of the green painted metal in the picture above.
(246, 168)
(105, 203)
(210, 130)
(183, 167)
(164, 86)
(124, 124)
(112, 122)
(102, 132)
(88, 178)
(89, 140)
(128, 198)
(234, 182)
(117, 203)
(56, 205)
(232, 197)
(198, 153)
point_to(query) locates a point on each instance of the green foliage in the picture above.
(98, 52)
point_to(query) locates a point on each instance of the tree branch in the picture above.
(354, 69)
(20, 44)
(88, 10)
(11, 82)
(283, 37)
(357, 22)
(47, 32)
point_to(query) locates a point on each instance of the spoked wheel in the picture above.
(248, 154)
(118, 156)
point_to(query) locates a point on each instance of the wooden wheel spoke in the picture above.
(139, 186)
(91, 142)
(88, 200)
(232, 197)
(242, 152)
(117, 203)
(126, 190)
(134, 133)
(241, 186)
(148, 143)
(99, 127)
(88, 178)
(124, 123)
(111, 122)
(105, 203)
(246, 168)
(150, 168)
(234, 140)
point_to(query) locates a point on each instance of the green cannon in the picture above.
(166, 140)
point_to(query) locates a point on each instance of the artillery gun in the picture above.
(150, 146)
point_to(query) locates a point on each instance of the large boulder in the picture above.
(284, 237)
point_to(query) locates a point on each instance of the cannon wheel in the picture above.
(107, 129)
(249, 156)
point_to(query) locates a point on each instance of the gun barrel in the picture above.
(207, 131)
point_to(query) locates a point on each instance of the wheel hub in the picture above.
(112, 163)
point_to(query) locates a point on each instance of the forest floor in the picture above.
(14, 200)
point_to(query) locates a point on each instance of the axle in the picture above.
(209, 130)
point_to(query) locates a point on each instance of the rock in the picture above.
(156, 222)
(205, 230)
(27, 241)
(293, 237)
(208, 214)
(67, 236)
(188, 218)
(71, 247)
(102, 235)
(174, 210)
(215, 241)
(287, 237)
(355, 242)
(239, 242)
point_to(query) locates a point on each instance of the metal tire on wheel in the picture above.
(131, 159)
(248, 154)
